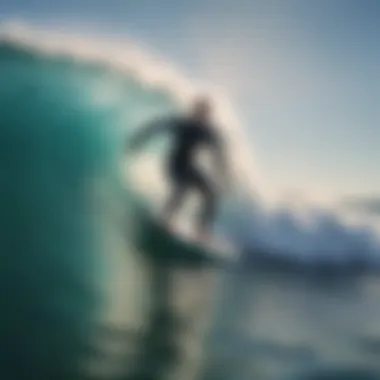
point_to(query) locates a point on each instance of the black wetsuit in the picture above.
(188, 136)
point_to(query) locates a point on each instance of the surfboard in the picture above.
(176, 245)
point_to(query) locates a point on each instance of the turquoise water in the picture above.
(61, 195)
(65, 210)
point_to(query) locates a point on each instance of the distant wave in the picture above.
(127, 85)
(315, 238)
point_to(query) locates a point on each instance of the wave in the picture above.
(124, 85)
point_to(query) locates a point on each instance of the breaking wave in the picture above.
(47, 78)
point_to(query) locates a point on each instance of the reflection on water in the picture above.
(267, 325)
(282, 326)
(167, 341)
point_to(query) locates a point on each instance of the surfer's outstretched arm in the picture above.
(151, 129)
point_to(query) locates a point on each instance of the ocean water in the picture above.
(79, 297)
(277, 324)
(63, 208)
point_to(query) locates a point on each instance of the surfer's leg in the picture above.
(178, 183)
(208, 212)
(174, 202)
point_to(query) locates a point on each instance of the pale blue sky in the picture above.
(303, 75)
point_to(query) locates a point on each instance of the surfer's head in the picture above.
(201, 108)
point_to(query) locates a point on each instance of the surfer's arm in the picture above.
(149, 130)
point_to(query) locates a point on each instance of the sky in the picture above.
(303, 75)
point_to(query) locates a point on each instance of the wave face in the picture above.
(64, 118)
(74, 89)
(60, 149)
(126, 86)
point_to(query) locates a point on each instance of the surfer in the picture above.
(189, 133)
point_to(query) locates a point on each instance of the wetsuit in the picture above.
(188, 136)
